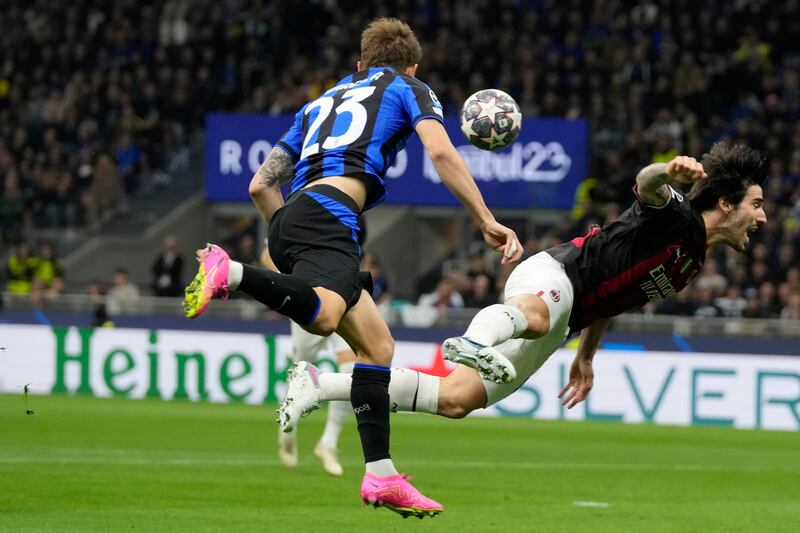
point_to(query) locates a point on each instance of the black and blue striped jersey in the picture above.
(356, 128)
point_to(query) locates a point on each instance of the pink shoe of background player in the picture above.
(210, 282)
(398, 495)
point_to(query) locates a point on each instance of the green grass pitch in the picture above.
(87, 464)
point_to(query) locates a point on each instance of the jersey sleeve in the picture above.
(419, 101)
(292, 140)
(674, 214)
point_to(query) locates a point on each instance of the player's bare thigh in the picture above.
(366, 332)
(461, 392)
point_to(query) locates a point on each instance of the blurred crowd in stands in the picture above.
(98, 98)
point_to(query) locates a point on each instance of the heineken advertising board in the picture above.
(743, 391)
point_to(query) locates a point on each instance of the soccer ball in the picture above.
(490, 119)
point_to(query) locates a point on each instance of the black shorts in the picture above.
(315, 237)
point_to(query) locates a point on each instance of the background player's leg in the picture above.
(305, 347)
(369, 337)
(338, 413)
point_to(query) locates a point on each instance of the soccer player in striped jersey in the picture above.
(335, 157)
(651, 252)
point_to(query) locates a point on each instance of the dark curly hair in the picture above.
(731, 169)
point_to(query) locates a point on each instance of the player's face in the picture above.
(747, 217)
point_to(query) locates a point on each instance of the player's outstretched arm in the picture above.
(265, 187)
(456, 177)
(581, 374)
(652, 180)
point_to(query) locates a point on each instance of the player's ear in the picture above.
(412, 70)
(725, 205)
(359, 66)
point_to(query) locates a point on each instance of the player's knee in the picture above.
(377, 351)
(384, 348)
(538, 324)
(324, 324)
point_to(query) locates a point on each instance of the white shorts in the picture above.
(542, 276)
(306, 346)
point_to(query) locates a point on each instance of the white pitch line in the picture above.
(136, 459)
(591, 504)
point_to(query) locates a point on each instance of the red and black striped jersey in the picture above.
(647, 254)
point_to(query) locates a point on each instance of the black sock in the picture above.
(284, 293)
(369, 396)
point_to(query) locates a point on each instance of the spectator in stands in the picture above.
(246, 250)
(445, 295)
(706, 307)
(768, 300)
(49, 272)
(128, 157)
(380, 285)
(105, 197)
(682, 303)
(122, 294)
(20, 269)
(732, 304)
(792, 309)
(480, 293)
(12, 205)
(710, 278)
(97, 294)
(167, 270)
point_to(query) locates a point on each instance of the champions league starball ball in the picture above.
(490, 119)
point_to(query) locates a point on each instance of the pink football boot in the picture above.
(210, 282)
(398, 495)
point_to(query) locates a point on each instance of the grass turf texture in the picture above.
(88, 464)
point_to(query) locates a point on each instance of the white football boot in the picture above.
(330, 459)
(287, 448)
(302, 395)
(490, 364)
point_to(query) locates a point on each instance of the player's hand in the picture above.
(685, 170)
(581, 379)
(502, 239)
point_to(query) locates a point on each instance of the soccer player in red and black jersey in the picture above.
(651, 252)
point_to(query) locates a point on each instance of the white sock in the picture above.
(405, 386)
(381, 468)
(412, 391)
(338, 412)
(335, 386)
(235, 272)
(496, 324)
(427, 394)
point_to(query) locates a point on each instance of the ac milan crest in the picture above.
(555, 295)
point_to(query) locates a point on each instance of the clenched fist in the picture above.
(685, 170)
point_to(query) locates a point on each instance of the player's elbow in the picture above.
(441, 152)
(256, 188)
